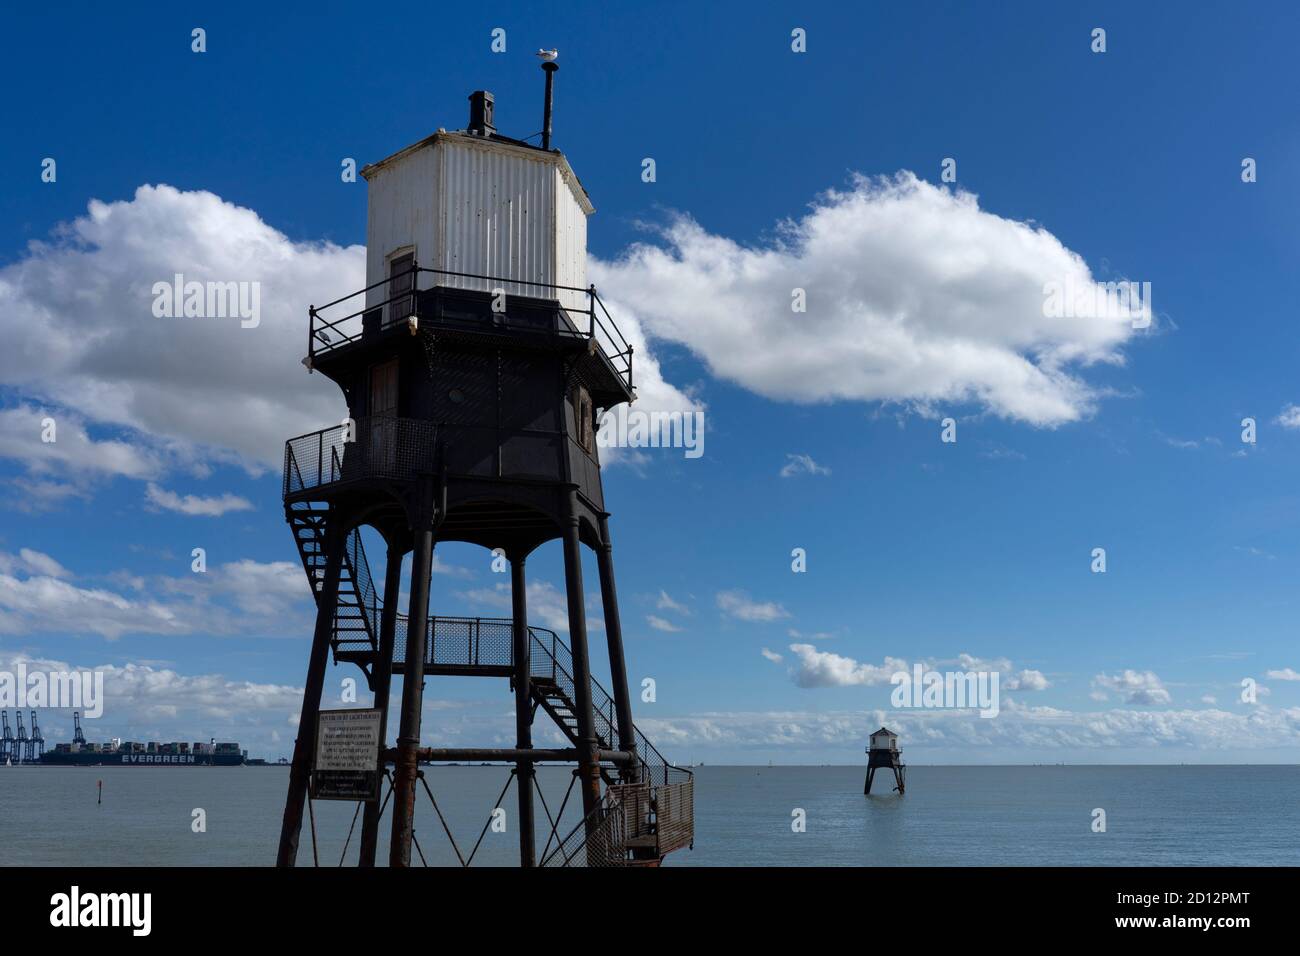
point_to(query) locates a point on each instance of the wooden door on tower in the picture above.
(401, 282)
(383, 417)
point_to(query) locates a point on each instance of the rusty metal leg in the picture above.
(300, 770)
(614, 635)
(408, 739)
(523, 710)
(383, 680)
(588, 747)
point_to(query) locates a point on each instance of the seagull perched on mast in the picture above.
(548, 55)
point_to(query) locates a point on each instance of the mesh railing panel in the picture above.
(604, 846)
(381, 447)
(675, 815)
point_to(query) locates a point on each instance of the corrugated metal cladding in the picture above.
(401, 214)
(480, 208)
(498, 210)
(570, 246)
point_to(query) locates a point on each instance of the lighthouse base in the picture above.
(889, 760)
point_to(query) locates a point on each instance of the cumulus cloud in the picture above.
(1016, 729)
(741, 606)
(1010, 680)
(661, 624)
(155, 702)
(1136, 687)
(1289, 417)
(772, 656)
(1286, 673)
(39, 595)
(546, 604)
(914, 295)
(816, 668)
(1026, 680)
(201, 384)
(61, 457)
(208, 507)
(41, 602)
(802, 465)
(32, 562)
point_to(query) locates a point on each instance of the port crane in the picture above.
(36, 743)
(7, 743)
(20, 742)
(77, 737)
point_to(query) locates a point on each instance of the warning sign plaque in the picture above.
(347, 755)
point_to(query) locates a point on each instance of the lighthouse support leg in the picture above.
(305, 745)
(382, 672)
(523, 710)
(617, 663)
(588, 747)
(406, 768)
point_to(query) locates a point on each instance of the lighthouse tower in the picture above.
(883, 752)
(475, 364)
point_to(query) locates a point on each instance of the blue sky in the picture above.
(918, 550)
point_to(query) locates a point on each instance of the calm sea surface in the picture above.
(1017, 816)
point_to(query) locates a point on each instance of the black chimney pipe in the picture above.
(481, 107)
(549, 67)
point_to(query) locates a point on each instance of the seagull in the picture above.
(548, 55)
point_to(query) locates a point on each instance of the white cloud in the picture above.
(772, 656)
(147, 702)
(739, 605)
(32, 562)
(660, 624)
(969, 662)
(1016, 729)
(915, 295)
(1289, 417)
(263, 588)
(196, 504)
(73, 452)
(802, 465)
(450, 570)
(238, 597)
(1137, 687)
(44, 603)
(824, 669)
(1026, 680)
(1285, 673)
(205, 387)
(666, 603)
(546, 604)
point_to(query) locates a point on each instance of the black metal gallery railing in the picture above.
(380, 447)
(580, 312)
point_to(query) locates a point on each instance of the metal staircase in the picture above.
(356, 618)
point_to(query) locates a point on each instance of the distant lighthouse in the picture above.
(883, 752)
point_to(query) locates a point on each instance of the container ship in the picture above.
(152, 754)
(29, 750)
